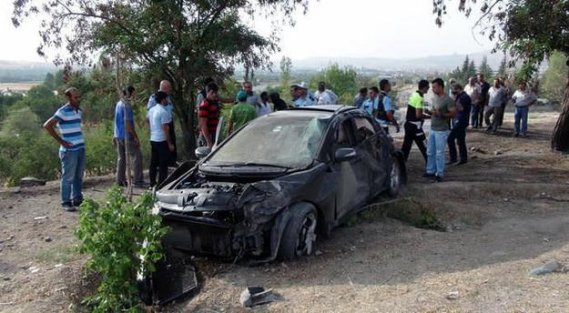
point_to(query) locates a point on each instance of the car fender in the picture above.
(279, 226)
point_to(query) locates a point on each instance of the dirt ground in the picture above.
(505, 213)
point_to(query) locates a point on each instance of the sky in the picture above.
(330, 28)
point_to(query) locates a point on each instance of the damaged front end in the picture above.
(224, 219)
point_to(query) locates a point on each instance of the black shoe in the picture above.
(451, 162)
(516, 134)
(68, 207)
(460, 162)
(77, 202)
(438, 179)
(429, 175)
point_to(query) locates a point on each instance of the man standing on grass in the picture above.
(121, 130)
(160, 141)
(442, 112)
(71, 150)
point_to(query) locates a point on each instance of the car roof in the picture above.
(333, 108)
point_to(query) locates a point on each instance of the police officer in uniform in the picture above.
(414, 121)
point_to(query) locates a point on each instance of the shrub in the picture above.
(122, 239)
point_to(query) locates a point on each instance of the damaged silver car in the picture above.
(270, 188)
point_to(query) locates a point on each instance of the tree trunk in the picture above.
(186, 116)
(560, 139)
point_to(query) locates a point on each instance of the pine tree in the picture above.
(485, 69)
(471, 71)
(503, 67)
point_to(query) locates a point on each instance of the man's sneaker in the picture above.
(460, 162)
(429, 175)
(516, 134)
(77, 202)
(438, 179)
(68, 207)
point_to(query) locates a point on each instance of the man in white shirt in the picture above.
(325, 96)
(473, 90)
(160, 140)
(523, 99)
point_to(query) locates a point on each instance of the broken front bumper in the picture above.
(200, 235)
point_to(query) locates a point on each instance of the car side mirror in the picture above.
(202, 152)
(344, 154)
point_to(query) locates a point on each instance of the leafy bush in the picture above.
(122, 239)
(28, 155)
(101, 157)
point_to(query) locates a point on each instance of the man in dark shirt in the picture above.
(208, 113)
(484, 88)
(459, 124)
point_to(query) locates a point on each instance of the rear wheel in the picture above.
(395, 177)
(300, 233)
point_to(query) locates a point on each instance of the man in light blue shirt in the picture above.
(125, 135)
(300, 96)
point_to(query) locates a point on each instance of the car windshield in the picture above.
(289, 140)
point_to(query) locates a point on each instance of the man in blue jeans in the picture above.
(443, 110)
(71, 150)
(522, 99)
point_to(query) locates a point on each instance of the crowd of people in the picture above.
(451, 113)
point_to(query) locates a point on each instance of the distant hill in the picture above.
(16, 71)
(427, 63)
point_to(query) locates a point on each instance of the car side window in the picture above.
(343, 134)
(364, 129)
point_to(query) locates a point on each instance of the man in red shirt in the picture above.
(208, 113)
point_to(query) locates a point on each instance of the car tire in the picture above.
(396, 177)
(300, 233)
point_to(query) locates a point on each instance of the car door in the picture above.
(371, 148)
(352, 180)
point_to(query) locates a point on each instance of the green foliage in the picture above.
(462, 74)
(42, 101)
(554, 78)
(28, 155)
(285, 78)
(341, 81)
(21, 121)
(198, 39)
(502, 70)
(99, 152)
(122, 240)
(485, 68)
(529, 30)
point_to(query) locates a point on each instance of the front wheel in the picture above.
(395, 177)
(300, 233)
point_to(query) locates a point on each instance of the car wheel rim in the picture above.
(394, 177)
(306, 235)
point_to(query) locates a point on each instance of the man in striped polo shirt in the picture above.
(71, 150)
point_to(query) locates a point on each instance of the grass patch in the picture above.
(407, 210)
(57, 254)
